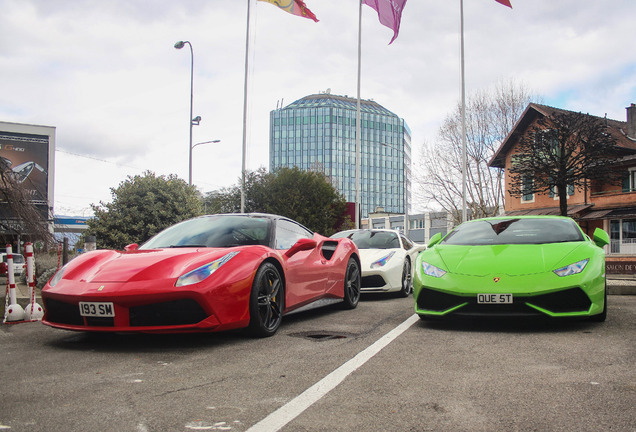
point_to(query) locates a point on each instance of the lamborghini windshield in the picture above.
(515, 231)
(214, 231)
(368, 239)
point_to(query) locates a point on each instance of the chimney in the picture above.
(631, 121)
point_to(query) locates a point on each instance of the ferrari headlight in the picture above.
(382, 261)
(571, 269)
(201, 273)
(431, 270)
(57, 277)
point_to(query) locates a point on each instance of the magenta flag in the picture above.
(389, 12)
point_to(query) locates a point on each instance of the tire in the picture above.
(267, 301)
(407, 284)
(352, 285)
(603, 315)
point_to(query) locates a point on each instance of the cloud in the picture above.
(107, 76)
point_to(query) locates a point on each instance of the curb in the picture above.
(621, 287)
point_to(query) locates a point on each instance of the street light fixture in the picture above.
(193, 146)
(193, 120)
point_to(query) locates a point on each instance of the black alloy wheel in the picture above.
(352, 285)
(407, 287)
(266, 301)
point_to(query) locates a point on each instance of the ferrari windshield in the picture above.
(214, 231)
(515, 231)
(368, 239)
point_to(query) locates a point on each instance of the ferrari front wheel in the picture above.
(266, 301)
(406, 279)
(352, 285)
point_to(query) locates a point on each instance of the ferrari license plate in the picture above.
(494, 298)
(97, 309)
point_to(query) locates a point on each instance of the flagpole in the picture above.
(463, 114)
(244, 149)
(358, 128)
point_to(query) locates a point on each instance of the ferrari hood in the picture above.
(512, 260)
(161, 264)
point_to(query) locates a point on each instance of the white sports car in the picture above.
(387, 259)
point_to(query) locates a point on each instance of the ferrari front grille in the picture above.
(62, 313)
(373, 281)
(177, 312)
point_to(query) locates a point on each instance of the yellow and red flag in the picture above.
(505, 3)
(295, 7)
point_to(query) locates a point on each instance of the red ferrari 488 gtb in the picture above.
(210, 273)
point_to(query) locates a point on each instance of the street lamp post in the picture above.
(192, 147)
(193, 121)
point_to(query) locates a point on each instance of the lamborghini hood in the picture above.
(115, 266)
(512, 260)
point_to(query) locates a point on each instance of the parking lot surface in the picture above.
(460, 376)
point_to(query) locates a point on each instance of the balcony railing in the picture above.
(627, 246)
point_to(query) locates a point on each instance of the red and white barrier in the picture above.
(12, 310)
(33, 311)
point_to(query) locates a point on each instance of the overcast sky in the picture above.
(106, 74)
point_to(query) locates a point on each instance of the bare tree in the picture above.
(19, 216)
(562, 151)
(490, 115)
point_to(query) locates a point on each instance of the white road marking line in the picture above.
(292, 409)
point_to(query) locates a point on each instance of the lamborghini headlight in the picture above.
(201, 273)
(571, 269)
(431, 270)
(382, 261)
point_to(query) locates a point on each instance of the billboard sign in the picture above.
(26, 158)
(27, 154)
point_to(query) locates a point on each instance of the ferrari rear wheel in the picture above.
(406, 279)
(266, 301)
(352, 285)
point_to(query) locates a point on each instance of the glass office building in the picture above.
(318, 132)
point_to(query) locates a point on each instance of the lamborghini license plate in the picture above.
(97, 309)
(494, 298)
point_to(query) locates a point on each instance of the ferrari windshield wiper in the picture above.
(186, 246)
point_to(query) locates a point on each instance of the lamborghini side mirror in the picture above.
(600, 237)
(435, 239)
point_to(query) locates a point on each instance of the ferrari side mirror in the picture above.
(601, 238)
(131, 247)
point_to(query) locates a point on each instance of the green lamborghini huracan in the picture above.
(513, 266)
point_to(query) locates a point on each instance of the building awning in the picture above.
(618, 213)
(549, 211)
(598, 214)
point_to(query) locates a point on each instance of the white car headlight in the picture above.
(431, 270)
(382, 261)
(571, 269)
(201, 273)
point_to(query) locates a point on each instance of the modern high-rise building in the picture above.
(319, 132)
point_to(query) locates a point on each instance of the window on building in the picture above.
(526, 189)
(629, 180)
(623, 236)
